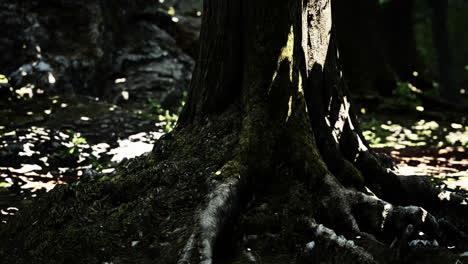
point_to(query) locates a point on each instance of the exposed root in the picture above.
(211, 218)
(355, 213)
(338, 248)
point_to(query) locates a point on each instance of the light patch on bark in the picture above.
(385, 212)
(424, 215)
(286, 54)
(289, 108)
(343, 116)
(319, 24)
(310, 245)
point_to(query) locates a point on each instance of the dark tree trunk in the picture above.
(441, 40)
(266, 153)
(377, 50)
(399, 37)
(362, 44)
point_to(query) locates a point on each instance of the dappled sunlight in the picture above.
(50, 141)
(133, 146)
(424, 148)
(420, 133)
(342, 119)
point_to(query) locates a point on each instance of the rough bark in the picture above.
(267, 165)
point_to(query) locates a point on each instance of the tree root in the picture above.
(417, 190)
(221, 204)
(372, 230)
(380, 217)
(326, 240)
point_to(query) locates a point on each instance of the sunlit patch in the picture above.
(100, 148)
(423, 218)
(5, 184)
(109, 170)
(414, 88)
(420, 108)
(26, 90)
(440, 164)
(385, 212)
(120, 80)
(33, 186)
(63, 135)
(310, 245)
(289, 108)
(27, 150)
(444, 195)
(456, 126)
(287, 53)
(26, 168)
(171, 11)
(419, 134)
(175, 19)
(128, 149)
(415, 74)
(343, 117)
(125, 95)
(51, 78)
(460, 137)
(44, 160)
(3, 79)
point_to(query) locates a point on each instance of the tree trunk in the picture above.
(267, 153)
(440, 33)
(362, 38)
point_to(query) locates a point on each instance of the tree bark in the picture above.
(267, 165)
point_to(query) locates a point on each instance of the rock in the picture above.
(98, 48)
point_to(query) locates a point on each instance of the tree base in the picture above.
(163, 208)
(267, 165)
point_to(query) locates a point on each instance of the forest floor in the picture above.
(431, 143)
(50, 141)
(56, 140)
